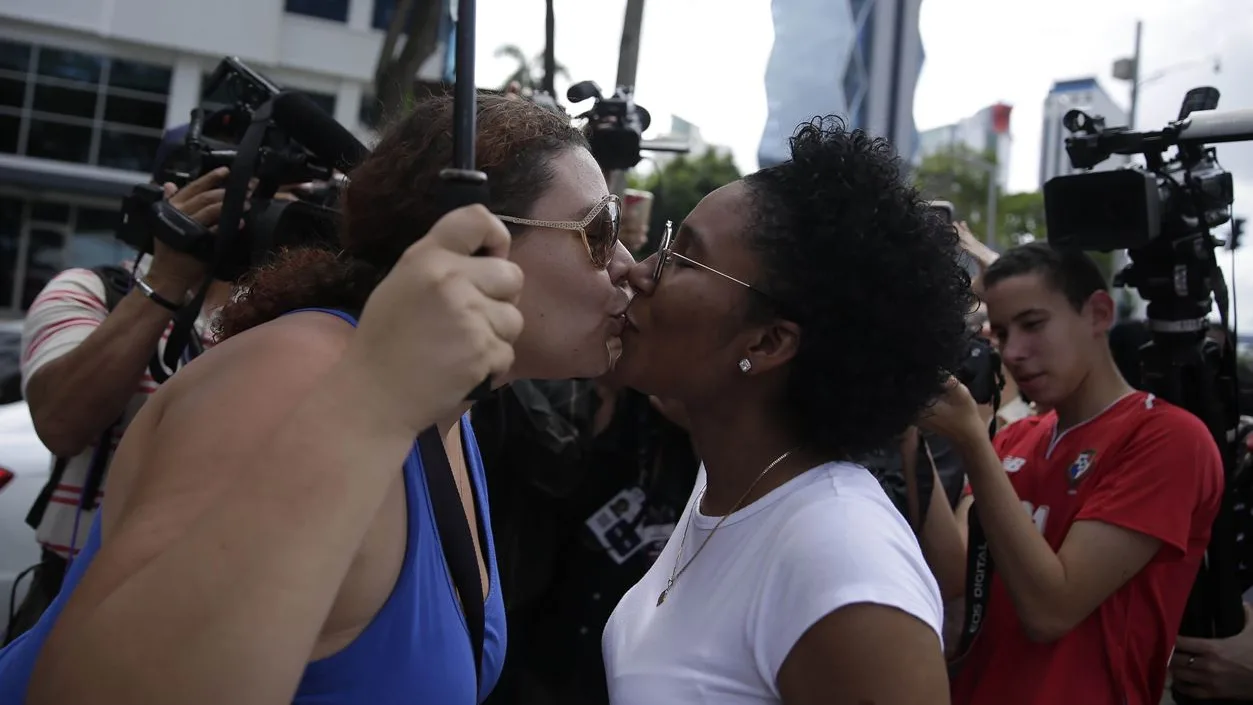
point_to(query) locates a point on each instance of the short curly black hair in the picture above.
(870, 273)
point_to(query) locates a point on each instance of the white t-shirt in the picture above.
(827, 539)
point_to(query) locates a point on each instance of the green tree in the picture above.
(1021, 213)
(960, 175)
(680, 184)
(415, 30)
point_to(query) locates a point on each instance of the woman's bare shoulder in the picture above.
(191, 438)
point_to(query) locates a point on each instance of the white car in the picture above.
(24, 468)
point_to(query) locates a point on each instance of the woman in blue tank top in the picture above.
(258, 545)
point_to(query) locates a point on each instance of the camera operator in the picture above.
(1120, 490)
(87, 343)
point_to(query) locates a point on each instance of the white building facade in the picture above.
(1080, 94)
(986, 133)
(87, 87)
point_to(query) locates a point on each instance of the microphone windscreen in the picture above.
(307, 123)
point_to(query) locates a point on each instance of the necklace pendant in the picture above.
(662, 597)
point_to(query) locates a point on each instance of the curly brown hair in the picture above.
(389, 205)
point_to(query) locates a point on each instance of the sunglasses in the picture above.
(599, 228)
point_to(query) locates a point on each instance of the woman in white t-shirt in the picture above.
(801, 316)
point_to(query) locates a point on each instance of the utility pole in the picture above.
(628, 63)
(629, 50)
(1128, 69)
(550, 50)
(1135, 78)
(989, 230)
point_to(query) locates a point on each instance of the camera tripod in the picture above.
(1185, 367)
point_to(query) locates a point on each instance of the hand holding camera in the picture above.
(954, 415)
(201, 200)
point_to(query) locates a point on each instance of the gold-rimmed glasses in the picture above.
(599, 228)
(666, 253)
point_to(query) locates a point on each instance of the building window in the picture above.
(10, 243)
(39, 239)
(74, 107)
(384, 10)
(857, 71)
(93, 240)
(334, 10)
(865, 34)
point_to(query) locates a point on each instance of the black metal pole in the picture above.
(465, 109)
(462, 183)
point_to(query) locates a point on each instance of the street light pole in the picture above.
(628, 63)
(1128, 69)
(1135, 78)
(989, 230)
(629, 49)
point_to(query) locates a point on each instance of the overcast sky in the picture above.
(978, 52)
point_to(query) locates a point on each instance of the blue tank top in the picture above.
(416, 649)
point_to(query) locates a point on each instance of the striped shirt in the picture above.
(68, 309)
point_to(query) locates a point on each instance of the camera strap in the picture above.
(978, 584)
(454, 537)
(228, 233)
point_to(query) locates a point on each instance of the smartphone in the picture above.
(947, 214)
(945, 210)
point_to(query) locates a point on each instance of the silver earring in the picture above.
(745, 365)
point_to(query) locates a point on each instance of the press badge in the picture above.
(616, 524)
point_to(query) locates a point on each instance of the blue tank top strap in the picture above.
(351, 319)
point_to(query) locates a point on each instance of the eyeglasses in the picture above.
(666, 254)
(599, 228)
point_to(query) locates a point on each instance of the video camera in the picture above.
(1162, 213)
(295, 142)
(616, 125)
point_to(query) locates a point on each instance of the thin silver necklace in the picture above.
(677, 570)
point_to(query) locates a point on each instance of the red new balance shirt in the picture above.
(1143, 465)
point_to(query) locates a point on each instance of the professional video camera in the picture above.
(298, 143)
(279, 138)
(616, 126)
(1163, 215)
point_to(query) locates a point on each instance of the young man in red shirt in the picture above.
(1096, 514)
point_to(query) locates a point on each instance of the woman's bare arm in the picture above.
(236, 535)
(942, 543)
(253, 476)
(866, 653)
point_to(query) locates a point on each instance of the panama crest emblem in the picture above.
(1080, 468)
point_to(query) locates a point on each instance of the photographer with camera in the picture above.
(1120, 489)
(88, 339)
